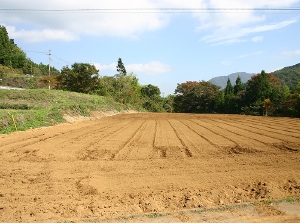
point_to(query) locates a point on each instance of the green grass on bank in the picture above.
(25, 109)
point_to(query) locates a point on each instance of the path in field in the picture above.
(135, 164)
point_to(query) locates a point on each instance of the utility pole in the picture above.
(49, 54)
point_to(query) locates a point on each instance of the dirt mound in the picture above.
(148, 165)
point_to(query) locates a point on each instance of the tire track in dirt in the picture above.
(38, 137)
(208, 129)
(168, 143)
(70, 142)
(283, 129)
(195, 142)
(254, 135)
(292, 123)
(159, 151)
(216, 139)
(6, 140)
(259, 145)
(264, 134)
(102, 146)
(243, 143)
(187, 151)
(137, 138)
(89, 133)
(277, 133)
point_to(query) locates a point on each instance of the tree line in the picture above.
(122, 87)
(263, 94)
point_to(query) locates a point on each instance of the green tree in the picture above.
(81, 77)
(168, 103)
(121, 68)
(122, 88)
(228, 98)
(238, 86)
(228, 89)
(261, 87)
(152, 101)
(127, 89)
(291, 105)
(150, 91)
(10, 54)
(4, 46)
(219, 102)
(285, 92)
(106, 86)
(195, 97)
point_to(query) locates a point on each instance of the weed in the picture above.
(287, 199)
(155, 215)
(232, 206)
(291, 199)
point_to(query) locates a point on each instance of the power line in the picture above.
(147, 10)
(61, 59)
(30, 51)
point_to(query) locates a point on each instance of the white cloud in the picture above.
(230, 60)
(69, 25)
(224, 37)
(225, 62)
(227, 27)
(290, 53)
(241, 56)
(247, 55)
(257, 39)
(152, 68)
(228, 42)
(41, 35)
(66, 25)
(100, 67)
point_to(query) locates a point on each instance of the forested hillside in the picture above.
(16, 69)
(289, 76)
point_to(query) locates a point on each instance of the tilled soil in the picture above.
(128, 165)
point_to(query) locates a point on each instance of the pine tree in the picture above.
(238, 86)
(10, 54)
(229, 89)
(264, 86)
(121, 68)
(4, 46)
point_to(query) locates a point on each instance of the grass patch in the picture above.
(223, 208)
(34, 108)
(155, 215)
(233, 206)
(287, 199)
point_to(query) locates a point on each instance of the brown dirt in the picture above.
(128, 166)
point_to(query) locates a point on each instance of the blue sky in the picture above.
(160, 48)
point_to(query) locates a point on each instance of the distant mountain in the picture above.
(289, 75)
(222, 80)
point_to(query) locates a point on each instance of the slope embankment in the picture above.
(27, 109)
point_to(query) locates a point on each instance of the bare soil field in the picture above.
(171, 167)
